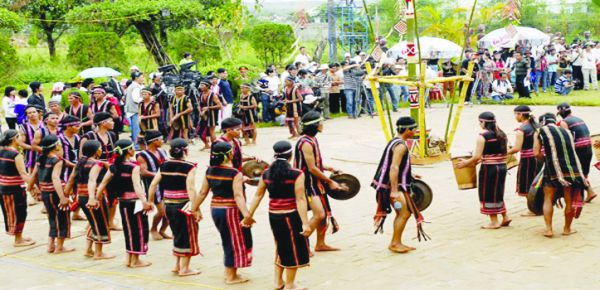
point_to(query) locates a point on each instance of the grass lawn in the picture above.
(576, 98)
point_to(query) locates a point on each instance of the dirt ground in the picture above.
(460, 255)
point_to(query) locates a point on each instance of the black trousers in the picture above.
(12, 123)
(578, 75)
(521, 88)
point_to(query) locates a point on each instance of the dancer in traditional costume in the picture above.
(529, 166)
(104, 134)
(231, 132)
(149, 113)
(179, 112)
(583, 142)
(70, 126)
(27, 133)
(13, 176)
(491, 150)
(248, 109)
(102, 104)
(287, 215)
(81, 111)
(228, 208)
(176, 179)
(150, 161)
(209, 106)
(293, 104)
(307, 157)
(393, 183)
(86, 175)
(47, 173)
(50, 127)
(562, 172)
(128, 187)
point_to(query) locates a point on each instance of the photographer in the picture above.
(565, 84)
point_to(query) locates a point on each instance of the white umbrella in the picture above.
(501, 38)
(431, 48)
(99, 72)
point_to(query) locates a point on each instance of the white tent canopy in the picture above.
(501, 38)
(431, 48)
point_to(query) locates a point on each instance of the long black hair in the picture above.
(8, 136)
(48, 144)
(178, 148)
(526, 112)
(279, 170)
(218, 152)
(90, 148)
(489, 123)
(119, 154)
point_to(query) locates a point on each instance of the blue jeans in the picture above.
(371, 109)
(265, 99)
(393, 97)
(134, 124)
(565, 91)
(350, 107)
(404, 93)
(540, 76)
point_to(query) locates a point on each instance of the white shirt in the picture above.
(501, 87)
(8, 105)
(273, 84)
(588, 60)
(305, 59)
(56, 98)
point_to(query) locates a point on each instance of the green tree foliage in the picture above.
(96, 49)
(201, 43)
(49, 16)
(272, 41)
(9, 20)
(145, 16)
(227, 20)
(8, 55)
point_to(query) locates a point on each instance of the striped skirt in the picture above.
(491, 188)
(184, 228)
(98, 231)
(237, 241)
(14, 209)
(59, 220)
(528, 169)
(135, 228)
(292, 247)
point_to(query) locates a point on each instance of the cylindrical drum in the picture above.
(466, 177)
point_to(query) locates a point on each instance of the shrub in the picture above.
(272, 41)
(96, 49)
(201, 43)
(8, 56)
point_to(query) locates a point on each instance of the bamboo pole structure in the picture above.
(461, 104)
(458, 71)
(378, 105)
(422, 128)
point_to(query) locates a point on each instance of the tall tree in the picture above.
(49, 16)
(227, 20)
(145, 16)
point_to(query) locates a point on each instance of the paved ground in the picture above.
(460, 256)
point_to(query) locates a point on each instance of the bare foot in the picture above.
(166, 236)
(310, 254)
(529, 214)
(188, 272)
(175, 270)
(569, 232)
(63, 250)
(88, 253)
(43, 210)
(103, 256)
(325, 248)
(279, 286)
(24, 243)
(156, 236)
(77, 217)
(237, 280)
(296, 287)
(205, 148)
(506, 223)
(51, 247)
(140, 264)
(398, 249)
(490, 227)
(548, 234)
(115, 228)
(590, 198)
